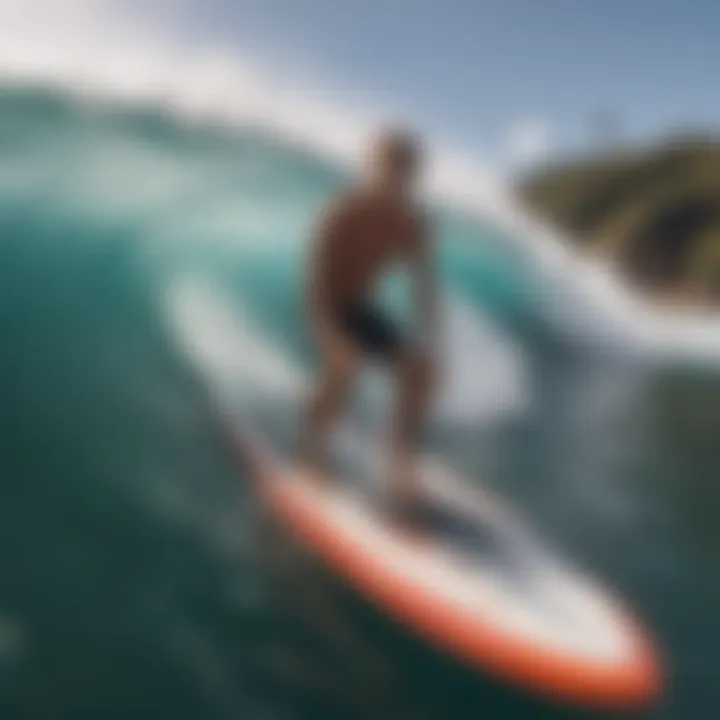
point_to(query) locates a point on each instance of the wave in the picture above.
(98, 59)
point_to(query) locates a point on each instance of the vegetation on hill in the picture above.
(653, 211)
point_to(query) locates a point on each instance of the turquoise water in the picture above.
(138, 578)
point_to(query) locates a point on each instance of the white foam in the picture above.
(484, 369)
(220, 337)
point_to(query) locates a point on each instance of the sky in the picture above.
(510, 82)
(512, 79)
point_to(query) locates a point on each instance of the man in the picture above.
(363, 234)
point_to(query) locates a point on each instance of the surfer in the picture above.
(362, 234)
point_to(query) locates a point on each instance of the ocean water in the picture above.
(150, 270)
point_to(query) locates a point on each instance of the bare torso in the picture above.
(361, 237)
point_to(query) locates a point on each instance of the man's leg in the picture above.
(415, 385)
(340, 364)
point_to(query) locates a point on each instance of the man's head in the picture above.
(396, 158)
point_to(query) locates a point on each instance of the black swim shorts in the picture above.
(374, 333)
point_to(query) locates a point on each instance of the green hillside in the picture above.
(654, 211)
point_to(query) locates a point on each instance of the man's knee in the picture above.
(340, 368)
(418, 372)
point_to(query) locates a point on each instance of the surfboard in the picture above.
(475, 582)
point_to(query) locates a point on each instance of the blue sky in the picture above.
(508, 78)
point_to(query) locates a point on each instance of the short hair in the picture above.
(398, 144)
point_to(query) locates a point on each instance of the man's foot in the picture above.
(405, 504)
(317, 473)
(410, 513)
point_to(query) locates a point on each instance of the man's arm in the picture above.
(331, 228)
(426, 286)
